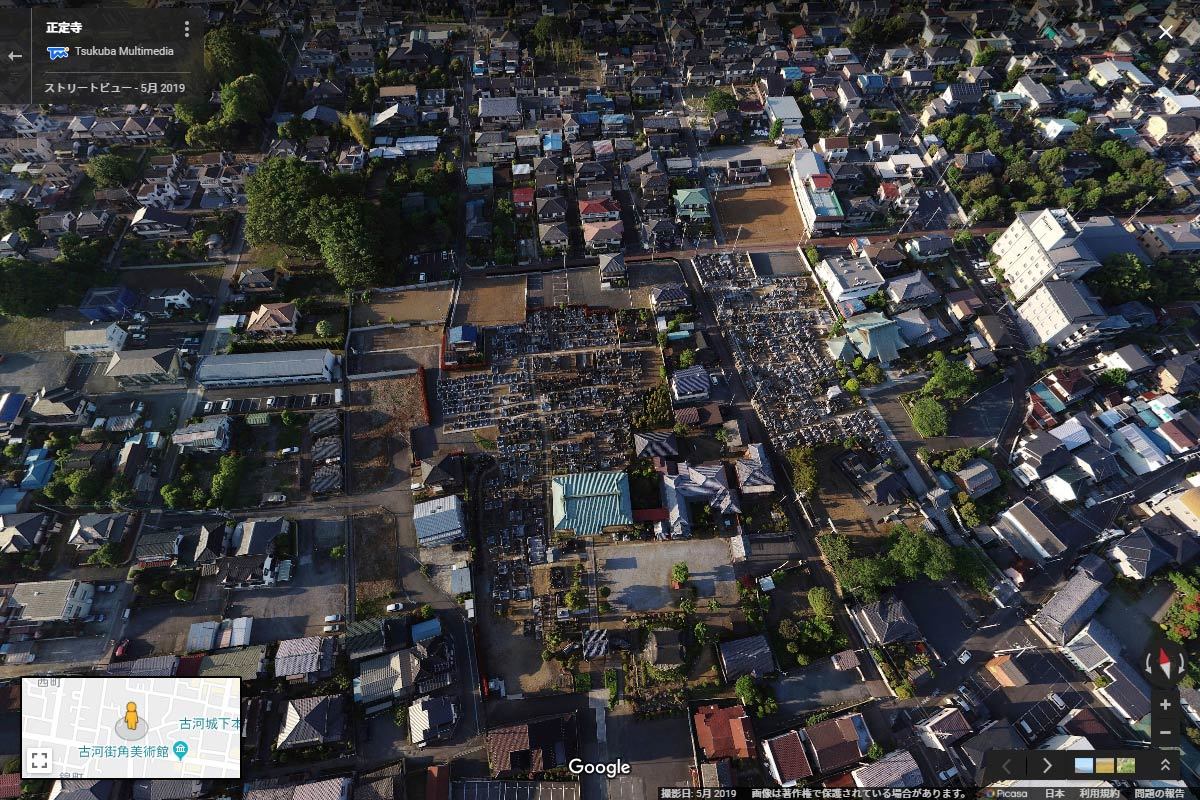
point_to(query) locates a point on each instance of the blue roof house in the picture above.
(480, 178)
(106, 303)
(426, 630)
(39, 468)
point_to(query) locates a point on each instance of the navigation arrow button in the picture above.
(1048, 763)
(1165, 765)
(1006, 766)
(14, 56)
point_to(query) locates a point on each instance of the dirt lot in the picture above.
(376, 561)
(491, 301)
(37, 334)
(843, 505)
(387, 349)
(406, 306)
(383, 412)
(637, 572)
(202, 281)
(514, 658)
(582, 286)
(765, 213)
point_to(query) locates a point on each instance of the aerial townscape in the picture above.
(708, 393)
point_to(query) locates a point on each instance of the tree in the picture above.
(31, 290)
(951, 379)
(551, 28)
(226, 481)
(109, 555)
(576, 598)
(1117, 376)
(803, 461)
(245, 101)
(278, 196)
(109, 170)
(347, 240)
(930, 418)
(173, 495)
(16, 216)
(702, 633)
(1039, 355)
(873, 375)
(679, 573)
(289, 418)
(719, 100)
(184, 595)
(119, 492)
(687, 358)
(337, 551)
(359, 127)
(852, 386)
(325, 329)
(776, 129)
(230, 51)
(425, 612)
(963, 238)
(820, 600)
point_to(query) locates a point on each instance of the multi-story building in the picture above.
(849, 278)
(1049, 245)
(1064, 315)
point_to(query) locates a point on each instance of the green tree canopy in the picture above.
(719, 100)
(109, 170)
(930, 418)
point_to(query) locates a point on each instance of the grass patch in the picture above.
(32, 334)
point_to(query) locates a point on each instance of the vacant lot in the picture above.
(411, 305)
(383, 412)
(845, 508)
(201, 281)
(388, 349)
(36, 334)
(638, 572)
(490, 301)
(376, 561)
(582, 286)
(765, 213)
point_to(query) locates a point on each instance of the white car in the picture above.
(394, 607)
(289, 451)
(964, 656)
(332, 618)
(228, 404)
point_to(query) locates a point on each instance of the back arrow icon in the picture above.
(14, 56)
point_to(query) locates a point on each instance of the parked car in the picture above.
(394, 607)
(119, 652)
(289, 451)
(331, 618)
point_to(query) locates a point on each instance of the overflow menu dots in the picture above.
(100, 56)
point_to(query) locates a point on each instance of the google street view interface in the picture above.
(640, 399)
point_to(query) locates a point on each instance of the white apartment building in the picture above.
(1063, 315)
(96, 339)
(849, 278)
(1040, 246)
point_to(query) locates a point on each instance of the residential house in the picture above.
(274, 320)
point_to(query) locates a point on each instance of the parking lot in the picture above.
(259, 399)
(638, 573)
(299, 607)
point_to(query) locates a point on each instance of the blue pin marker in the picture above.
(180, 749)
